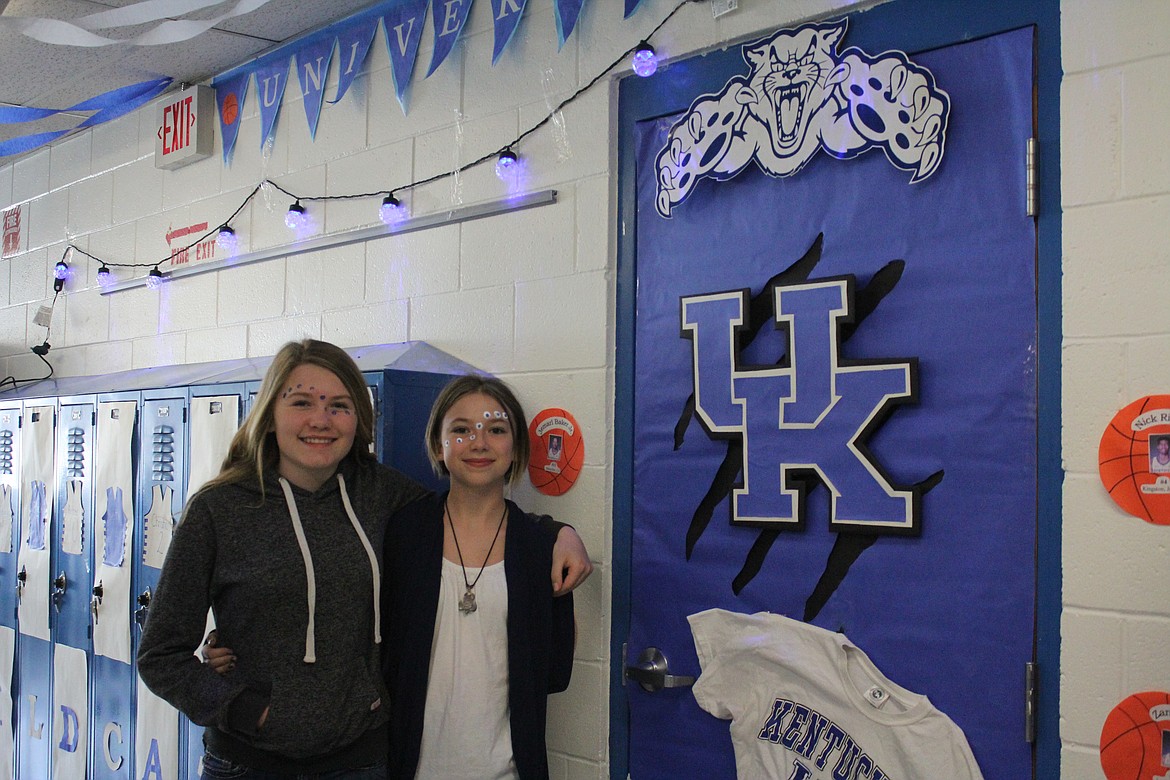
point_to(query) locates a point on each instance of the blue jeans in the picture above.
(216, 768)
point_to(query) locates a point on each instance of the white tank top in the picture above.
(466, 732)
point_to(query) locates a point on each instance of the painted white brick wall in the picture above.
(530, 295)
(1115, 176)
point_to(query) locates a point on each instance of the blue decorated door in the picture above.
(833, 373)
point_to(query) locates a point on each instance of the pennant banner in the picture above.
(506, 18)
(448, 17)
(271, 80)
(229, 99)
(404, 25)
(312, 68)
(566, 12)
(353, 43)
(631, 6)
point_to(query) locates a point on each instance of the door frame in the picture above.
(915, 25)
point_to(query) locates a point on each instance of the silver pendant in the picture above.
(467, 603)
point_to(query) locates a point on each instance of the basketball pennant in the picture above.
(1135, 459)
(557, 451)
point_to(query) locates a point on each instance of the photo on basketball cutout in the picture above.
(1160, 454)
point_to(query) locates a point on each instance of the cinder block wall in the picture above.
(530, 295)
(1115, 627)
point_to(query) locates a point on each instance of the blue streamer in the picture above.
(10, 115)
(110, 105)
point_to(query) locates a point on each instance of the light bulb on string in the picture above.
(392, 210)
(227, 240)
(155, 278)
(645, 60)
(104, 277)
(60, 274)
(295, 217)
(505, 163)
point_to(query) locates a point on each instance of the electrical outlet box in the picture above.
(720, 7)
(44, 316)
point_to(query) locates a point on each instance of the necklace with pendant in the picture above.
(467, 603)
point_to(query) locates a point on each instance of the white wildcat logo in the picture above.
(801, 97)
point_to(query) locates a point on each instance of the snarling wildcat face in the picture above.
(788, 80)
(802, 96)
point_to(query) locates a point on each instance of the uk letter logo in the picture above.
(812, 412)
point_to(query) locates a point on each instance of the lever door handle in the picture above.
(652, 672)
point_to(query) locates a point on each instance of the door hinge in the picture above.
(1030, 681)
(1030, 178)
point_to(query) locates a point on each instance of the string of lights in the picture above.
(391, 210)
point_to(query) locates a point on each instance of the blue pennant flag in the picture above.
(404, 26)
(312, 66)
(448, 17)
(353, 43)
(271, 80)
(506, 18)
(566, 12)
(631, 6)
(230, 92)
(109, 105)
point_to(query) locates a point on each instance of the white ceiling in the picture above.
(49, 76)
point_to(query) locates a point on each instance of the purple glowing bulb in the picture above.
(505, 163)
(392, 210)
(227, 240)
(295, 218)
(645, 60)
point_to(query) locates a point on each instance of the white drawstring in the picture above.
(310, 575)
(370, 554)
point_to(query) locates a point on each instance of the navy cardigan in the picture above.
(540, 630)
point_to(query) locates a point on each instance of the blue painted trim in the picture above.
(912, 26)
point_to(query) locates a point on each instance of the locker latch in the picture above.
(21, 578)
(96, 601)
(143, 608)
(59, 585)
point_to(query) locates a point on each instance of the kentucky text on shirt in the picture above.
(817, 739)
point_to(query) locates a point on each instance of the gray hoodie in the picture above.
(293, 587)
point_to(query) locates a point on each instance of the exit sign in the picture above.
(186, 127)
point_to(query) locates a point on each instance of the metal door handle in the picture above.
(652, 672)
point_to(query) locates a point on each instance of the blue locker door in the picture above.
(161, 487)
(69, 594)
(34, 655)
(9, 531)
(112, 678)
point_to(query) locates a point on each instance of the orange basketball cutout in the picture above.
(557, 451)
(1134, 459)
(1135, 740)
(231, 108)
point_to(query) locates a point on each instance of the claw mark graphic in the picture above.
(806, 419)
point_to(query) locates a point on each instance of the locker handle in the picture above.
(59, 586)
(96, 601)
(143, 608)
(21, 578)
